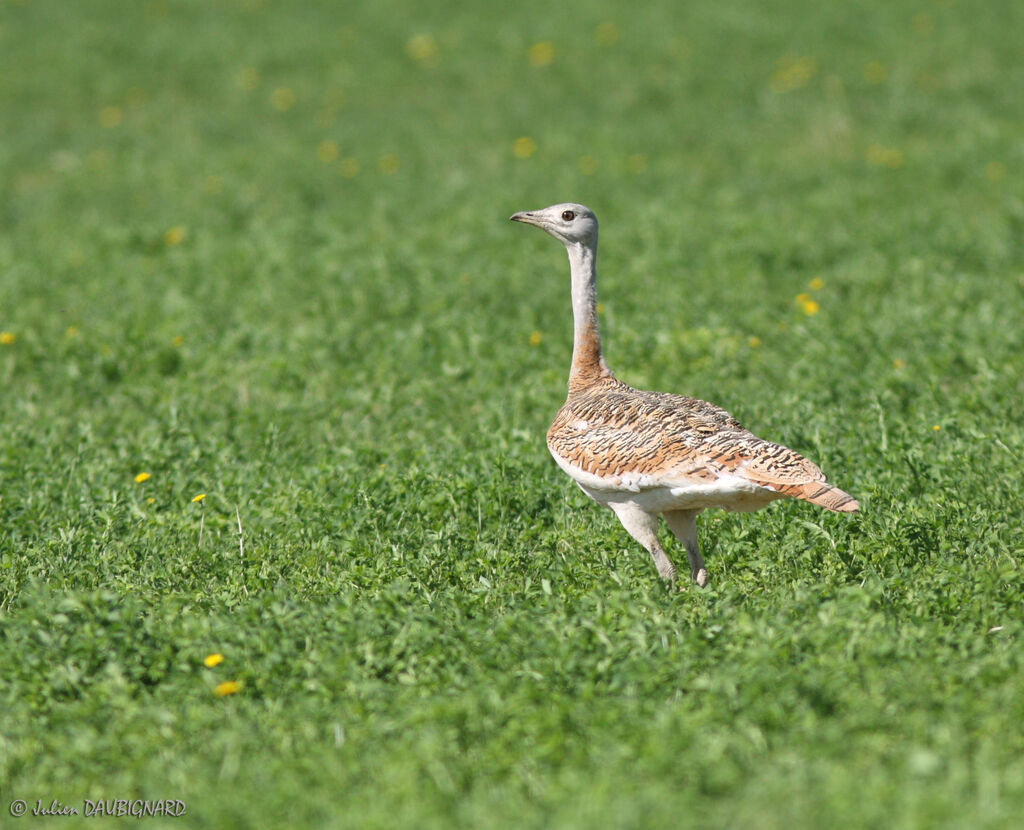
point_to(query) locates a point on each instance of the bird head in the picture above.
(569, 223)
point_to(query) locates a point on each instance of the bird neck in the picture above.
(588, 364)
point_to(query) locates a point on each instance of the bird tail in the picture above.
(827, 496)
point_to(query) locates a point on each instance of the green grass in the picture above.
(433, 627)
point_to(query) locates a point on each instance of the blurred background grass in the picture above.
(260, 250)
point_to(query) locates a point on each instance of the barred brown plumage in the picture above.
(645, 454)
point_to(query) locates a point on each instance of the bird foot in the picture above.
(701, 578)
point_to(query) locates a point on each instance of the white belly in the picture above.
(657, 494)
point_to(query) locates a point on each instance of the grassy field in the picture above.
(260, 251)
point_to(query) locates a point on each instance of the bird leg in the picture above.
(643, 527)
(683, 524)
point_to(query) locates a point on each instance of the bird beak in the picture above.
(526, 216)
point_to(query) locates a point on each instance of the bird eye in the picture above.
(568, 215)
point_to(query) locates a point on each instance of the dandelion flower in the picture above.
(212, 660)
(282, 99)
(199, 498)
(541, 54)
(388, 164)
(754, 342)
(995, 171)
(599, 308)
(178, 341)
(817, 284)
(349, 168)
(141, 477)
(424, 50)
(174, 236)
(875, 72)
(248, 78)
(71, 332)
(588, 165)
(229, 687)
(899, 363)
(884, 156)
(327, 151)
(807, 305)
(535, 338)
(936, 427)
(792, 73)
(7, 337)
(110, 116)
(524, 147)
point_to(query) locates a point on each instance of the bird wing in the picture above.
(668, 439)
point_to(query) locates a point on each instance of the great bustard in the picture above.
(648, 453)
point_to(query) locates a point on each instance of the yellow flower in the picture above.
(807, 305)
(936, 427)
(178, 340)
(606, 34)
(212, 660)
(110, 116)
(327, 151)
(754, 342)
(875, 72)
(599, 308)
(535, 338)
(282, 99)
(349, 168)
(588, 165)
(229, 687)
(524, 147)
(899, 363)
(541, 53)
(248, 78)
(7, 337)
(884, 156)
(71, 332)
(174, 236)
(995, 171)
(141, 477)
(150, 500)
(817, 284)
(200, 497)
(424, 50)
(792, 73)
